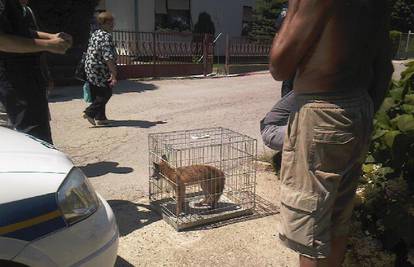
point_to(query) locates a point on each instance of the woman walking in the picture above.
(100, 68)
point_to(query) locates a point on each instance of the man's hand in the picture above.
(65, 36)
(58, 45)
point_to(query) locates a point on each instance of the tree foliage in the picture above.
(267, 11)
(386, 193)
(263, 27)
(402, 15)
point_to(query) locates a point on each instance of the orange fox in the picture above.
(210, 178)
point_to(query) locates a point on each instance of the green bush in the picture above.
(395, 37)
(263, 26)
(386, 193)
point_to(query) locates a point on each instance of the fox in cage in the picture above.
(211, 180)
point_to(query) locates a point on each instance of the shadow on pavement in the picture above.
(120, 262)
(132, 216)
(104, 167)
(68, 93)
(135, 123)
(263, 209)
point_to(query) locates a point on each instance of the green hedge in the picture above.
(386, 192)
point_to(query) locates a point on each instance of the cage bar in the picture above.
(202, 176)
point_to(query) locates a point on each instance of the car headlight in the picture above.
(76, 197)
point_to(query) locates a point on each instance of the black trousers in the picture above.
(23, 94)
(100, 97)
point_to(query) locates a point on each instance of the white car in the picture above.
(49, 213)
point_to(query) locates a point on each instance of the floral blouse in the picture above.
(101, 49)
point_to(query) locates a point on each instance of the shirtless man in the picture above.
(340, 52)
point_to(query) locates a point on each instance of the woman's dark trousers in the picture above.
(100, 96)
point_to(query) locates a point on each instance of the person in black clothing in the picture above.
(30, 20)
(22, 86)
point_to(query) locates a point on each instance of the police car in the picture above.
(49, 213)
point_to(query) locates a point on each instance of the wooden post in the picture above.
(408, 43)
(227, 55)
(205, 54)
(154, 53)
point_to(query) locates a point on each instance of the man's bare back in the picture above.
(330, 45)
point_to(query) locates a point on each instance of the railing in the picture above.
(137, 48)
(242, 51)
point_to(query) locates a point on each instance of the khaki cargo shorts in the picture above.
(324, 148)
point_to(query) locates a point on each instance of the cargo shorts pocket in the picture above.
(298, 215)
(332, 149)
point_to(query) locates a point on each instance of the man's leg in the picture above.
(309, 262)
(36, 120)
(338, 248)
(273, 126)
(335, 259)
(41, 120)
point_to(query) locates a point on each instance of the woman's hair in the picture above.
(104, 17)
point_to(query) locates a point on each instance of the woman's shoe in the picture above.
(102, 122)
(90, 119)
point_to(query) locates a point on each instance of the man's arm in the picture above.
(15, 44)
(49, 36)
(302, 26)
(45, 35)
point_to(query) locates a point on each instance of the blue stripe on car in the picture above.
(19, 219)
(25, 209)
(38, 230)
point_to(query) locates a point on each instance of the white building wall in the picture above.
(146, 15)
(124, 13)
(101, 5)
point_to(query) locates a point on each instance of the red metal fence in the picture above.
(153, 54)
(242, 51)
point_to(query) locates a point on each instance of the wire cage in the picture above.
(202, 176)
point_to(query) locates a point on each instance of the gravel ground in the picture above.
(116, 161)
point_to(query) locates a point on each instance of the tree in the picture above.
(264, 25)
(402, 15)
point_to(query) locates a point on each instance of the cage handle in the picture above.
(199, 137)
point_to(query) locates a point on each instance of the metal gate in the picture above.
(156, 54)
